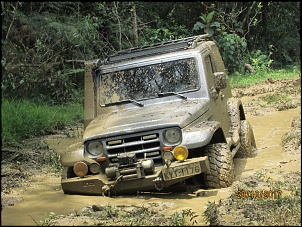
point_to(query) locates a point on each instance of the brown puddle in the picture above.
(46, 196)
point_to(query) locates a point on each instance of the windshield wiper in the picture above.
(171, 93)
(124, 101)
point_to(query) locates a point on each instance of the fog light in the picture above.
(80, 169)
(180, 153)
(94, 168)
(168, 156)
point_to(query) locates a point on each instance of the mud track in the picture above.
(23, 170)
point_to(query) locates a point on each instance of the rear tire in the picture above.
(248, 147)
(221, 173)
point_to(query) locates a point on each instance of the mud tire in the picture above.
(221, 173)
(248, 147)
(67, 172)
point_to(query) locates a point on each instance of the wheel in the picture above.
(248, 147)
(221, 173)
(67, 172)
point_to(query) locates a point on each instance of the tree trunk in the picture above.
(135, 34)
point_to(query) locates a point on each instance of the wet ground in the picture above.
(43, 196)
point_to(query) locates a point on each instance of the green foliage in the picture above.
(233, 49)
(279, 27)
(170, 29)
(159, 35)
(211, 214)
(23, 119)
(258, 25)
(207, 24)
(34, 67)
(38, 38)
(260, 61)
(52, 217)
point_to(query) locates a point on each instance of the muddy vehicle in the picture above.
(156, 117)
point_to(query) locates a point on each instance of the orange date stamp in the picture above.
(258, 194)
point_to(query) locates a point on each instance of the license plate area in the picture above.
(187, 169)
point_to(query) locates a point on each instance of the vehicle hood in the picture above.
(149, 117)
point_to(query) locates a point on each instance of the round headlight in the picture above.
(95, 148)
(172, 135)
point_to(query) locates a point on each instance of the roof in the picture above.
(155, 49)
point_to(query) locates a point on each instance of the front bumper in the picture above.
(162, 178)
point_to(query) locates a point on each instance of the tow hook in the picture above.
(158, 183)
(106, 190)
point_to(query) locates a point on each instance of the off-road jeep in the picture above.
(155, 117)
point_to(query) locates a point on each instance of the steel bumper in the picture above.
(162, 178)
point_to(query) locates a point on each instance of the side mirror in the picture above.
(220, 80)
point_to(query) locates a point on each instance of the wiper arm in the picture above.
(171, 93)
(124, 101)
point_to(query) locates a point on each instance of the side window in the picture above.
(210, 70)
(209, 65)
(218, 64)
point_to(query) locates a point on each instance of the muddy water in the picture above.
(45, 196)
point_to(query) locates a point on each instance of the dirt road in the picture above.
(276, 126)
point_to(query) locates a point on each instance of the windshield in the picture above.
(148, 81)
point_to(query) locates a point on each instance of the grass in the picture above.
(276, 98)
(24, 119)
(123, 216)
(238, 80)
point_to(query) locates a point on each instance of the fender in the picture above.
(74, 154)
(200, 134)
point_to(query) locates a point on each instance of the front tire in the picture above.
(67, 172)
(221, 173)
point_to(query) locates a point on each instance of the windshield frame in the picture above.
(139, 63)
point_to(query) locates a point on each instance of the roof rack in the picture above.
(153, 49)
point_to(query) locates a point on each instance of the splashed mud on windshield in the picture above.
(145, 82)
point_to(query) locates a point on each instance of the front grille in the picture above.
(143, 146)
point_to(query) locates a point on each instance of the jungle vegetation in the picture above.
(44, 44)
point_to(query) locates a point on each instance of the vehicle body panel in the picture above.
(141, 105)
